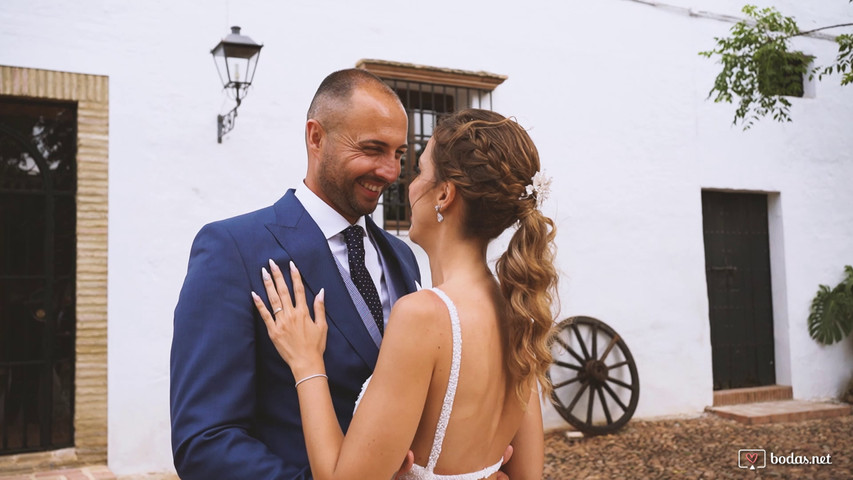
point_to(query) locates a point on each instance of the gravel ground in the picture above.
(705, 447)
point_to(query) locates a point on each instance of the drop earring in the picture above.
(438, 214)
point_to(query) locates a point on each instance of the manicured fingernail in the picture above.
(292, 266)
(265, 274)
(322, 295)
(273, 266)
(255, 296)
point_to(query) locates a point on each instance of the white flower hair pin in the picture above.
(540, 187)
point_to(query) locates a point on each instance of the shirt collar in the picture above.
(331, 222)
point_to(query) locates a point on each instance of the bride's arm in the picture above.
(384, 426)
(388, 415)
(528, 455)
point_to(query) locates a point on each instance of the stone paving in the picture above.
(99, 472)
(705, 447)
(781, 411)
(702, 447)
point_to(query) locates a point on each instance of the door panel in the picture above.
(37, 274)
(737, 268)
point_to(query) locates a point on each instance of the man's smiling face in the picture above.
(360, 152)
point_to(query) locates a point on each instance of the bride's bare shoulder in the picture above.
(417, 310)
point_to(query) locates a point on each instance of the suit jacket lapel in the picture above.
(401, 273)
(301, 238)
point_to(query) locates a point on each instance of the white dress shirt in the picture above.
(332, 224)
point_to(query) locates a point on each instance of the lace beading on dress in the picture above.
(427, 473)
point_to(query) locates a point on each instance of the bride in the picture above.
(457, 375)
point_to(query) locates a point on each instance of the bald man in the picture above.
(234, 406)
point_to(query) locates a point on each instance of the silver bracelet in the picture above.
(309, 377)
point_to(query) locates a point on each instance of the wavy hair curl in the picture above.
(491, 160)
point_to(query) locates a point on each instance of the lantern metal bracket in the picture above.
(226, 122)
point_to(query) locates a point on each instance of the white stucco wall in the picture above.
(612, 91)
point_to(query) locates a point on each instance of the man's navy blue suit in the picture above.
(235, 413)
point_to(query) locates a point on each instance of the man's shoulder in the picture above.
(246, 221)
(240, 223)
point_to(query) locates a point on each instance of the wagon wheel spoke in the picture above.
(567, 365)
(615, 397)
(567, 382)
(594, 340)
(589, 406)
(609, 347)
(617, 365)
(580, 341)
(569, 349)
(619, 382)
(604, 405)
(577, 397)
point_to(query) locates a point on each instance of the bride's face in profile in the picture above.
(421, 197)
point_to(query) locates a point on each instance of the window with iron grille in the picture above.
(427, 93)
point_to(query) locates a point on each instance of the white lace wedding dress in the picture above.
(427, 473)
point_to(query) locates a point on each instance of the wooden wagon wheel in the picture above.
(596, 386)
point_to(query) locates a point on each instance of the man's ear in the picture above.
(314, 134)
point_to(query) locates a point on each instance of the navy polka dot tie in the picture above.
(354, 236)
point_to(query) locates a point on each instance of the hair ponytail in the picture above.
(493, 163)
(528, 283)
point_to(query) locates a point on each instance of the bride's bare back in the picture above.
(486, 414)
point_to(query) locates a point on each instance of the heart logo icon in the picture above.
(752, 457)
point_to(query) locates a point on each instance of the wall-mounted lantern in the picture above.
(236, 56)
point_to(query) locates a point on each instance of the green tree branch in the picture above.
(756, 54)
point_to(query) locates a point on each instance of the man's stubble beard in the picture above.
(339, 190)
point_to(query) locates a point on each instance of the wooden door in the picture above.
(38, 221)
(737, 268)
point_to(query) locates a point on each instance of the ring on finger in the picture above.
(277, 310)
